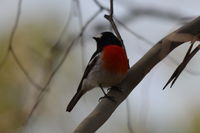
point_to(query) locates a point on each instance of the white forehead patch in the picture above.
(99, 36)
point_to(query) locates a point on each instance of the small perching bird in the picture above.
(106, 68)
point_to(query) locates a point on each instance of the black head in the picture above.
(107, 38)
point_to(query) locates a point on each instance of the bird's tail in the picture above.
(74, 100)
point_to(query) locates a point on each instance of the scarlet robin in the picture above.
(106, 68)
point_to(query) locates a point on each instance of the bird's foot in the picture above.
(111, 98)
(114, 88)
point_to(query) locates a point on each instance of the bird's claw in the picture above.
(114, 88)
(111, 98)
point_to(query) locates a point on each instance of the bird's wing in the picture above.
(90, 65)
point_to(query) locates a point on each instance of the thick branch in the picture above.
(137, 72)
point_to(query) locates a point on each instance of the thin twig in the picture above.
(110, 19)
(100, 5)
(192, 72)
(68, 20)
(134, 33)
(37, 86)
(46, 88)
(184, 64)
(181, 67)
(11, 49)
(82, 36)
(15, 24)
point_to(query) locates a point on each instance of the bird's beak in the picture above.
(96, 38)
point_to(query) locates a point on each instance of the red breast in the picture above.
(115, 59)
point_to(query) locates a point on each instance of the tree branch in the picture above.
(110, 19)
(137, 72)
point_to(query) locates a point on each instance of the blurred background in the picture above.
(44, 61)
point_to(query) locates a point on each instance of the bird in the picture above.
(107, 67)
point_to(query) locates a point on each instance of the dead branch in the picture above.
(181, 67)
(137, 72)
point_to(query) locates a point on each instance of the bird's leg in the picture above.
(105, 95)
(103, 90)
